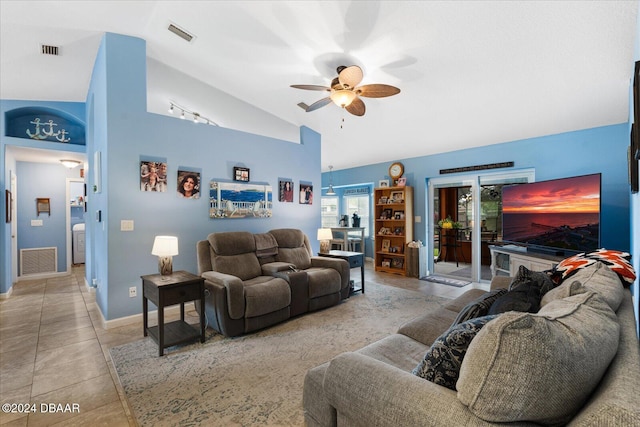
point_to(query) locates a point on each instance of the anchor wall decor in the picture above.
(41, 132)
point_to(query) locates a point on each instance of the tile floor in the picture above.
(53, 350)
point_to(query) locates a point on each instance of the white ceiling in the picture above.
(471, 73)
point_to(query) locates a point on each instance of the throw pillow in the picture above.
(478, 307)
(619, 262)
(525, 298)
(540, 279)
(596, 277)
(442, 362)
(540, 367)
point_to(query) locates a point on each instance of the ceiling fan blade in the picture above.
(311, 87)
(377, 91)
(319, 104)
(350, 77)
(356, 107)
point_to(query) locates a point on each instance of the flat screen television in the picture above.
(560, 216)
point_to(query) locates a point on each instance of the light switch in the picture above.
(418, 219)
(36, 223)
(126, 225)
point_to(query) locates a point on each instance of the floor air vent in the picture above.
(38, 260)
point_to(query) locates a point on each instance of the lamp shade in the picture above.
(343, 97)
(324, 234)
(165, 246)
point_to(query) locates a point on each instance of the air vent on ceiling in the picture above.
(180, 32)
(47, 49)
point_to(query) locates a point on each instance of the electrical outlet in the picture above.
(133, 292)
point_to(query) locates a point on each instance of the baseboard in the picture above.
(137, 318)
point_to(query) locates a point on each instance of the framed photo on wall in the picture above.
(285, 190)
(153, 174)
(240, 174)
(188, 184)
(306, 193)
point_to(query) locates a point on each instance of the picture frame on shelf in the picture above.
(398, 231)
(402, 182)
(383, 183)
(386, 262)
(396, 197)
(398, 214)
(397, 263)
(241, 174)
(386, 244)
(386, 214)
(383, 200)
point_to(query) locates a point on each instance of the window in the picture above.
(329, 211)
(360, 204)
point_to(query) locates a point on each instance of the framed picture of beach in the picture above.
(234, 200)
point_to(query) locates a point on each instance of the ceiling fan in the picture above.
(346, 93)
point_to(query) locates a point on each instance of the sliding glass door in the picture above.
(464, 217)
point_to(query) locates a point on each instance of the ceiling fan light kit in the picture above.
(346, 93)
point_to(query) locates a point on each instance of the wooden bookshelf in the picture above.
(393, 228)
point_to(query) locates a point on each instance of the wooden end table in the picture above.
(176, 288)
(355, 259)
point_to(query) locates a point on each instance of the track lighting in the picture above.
(197, 117)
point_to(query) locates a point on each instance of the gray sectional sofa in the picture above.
(575, 362)
(253, 281)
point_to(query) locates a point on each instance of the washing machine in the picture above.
(78, 244)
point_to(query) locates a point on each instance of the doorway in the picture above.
(465, 219)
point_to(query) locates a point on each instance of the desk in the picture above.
(355, 259)
(176, 288)
(344, 231)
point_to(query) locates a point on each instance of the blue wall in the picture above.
(75, 111)
(43, 180)
(602, 150)
(120, 128)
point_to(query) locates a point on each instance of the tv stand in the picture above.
(507, 259)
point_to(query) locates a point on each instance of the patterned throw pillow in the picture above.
(478, 307)
(442, 362)
(619, 262)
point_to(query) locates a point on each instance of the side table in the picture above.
(355, 259)
(176, 288)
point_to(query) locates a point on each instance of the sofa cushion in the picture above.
(619, 262)
(441, 364)
(265, 294)
(540, 279)
(323, 281)
(598, 278)
(234, 253)
(539, 367)
(292, 247)
(526, 298)
(478, 307)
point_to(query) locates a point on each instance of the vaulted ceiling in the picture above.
(470, 73)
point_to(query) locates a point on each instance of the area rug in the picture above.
(256, 379)
(446, 281)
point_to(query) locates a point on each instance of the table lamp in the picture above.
(325, 236)
(164, 247)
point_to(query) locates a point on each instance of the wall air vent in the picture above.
(50, 50)
(180, 32)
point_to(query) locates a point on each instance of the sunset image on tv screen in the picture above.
(561, 213)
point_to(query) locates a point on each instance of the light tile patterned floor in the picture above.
(53, 350)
